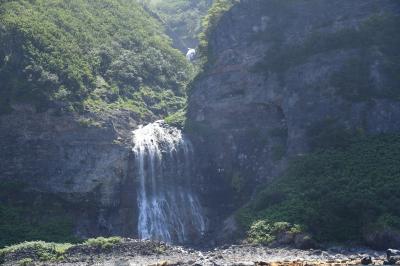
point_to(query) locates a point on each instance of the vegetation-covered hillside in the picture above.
(183, 18)
(94, 55)
(341, 194)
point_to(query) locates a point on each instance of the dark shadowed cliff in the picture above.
(286, 78)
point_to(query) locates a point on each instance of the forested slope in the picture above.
(87, 55)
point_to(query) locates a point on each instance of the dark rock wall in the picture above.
(84, 161)
(252, 110)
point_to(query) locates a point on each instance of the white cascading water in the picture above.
(169, 210)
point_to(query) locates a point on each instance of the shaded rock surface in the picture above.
(248, 114)
(83, 160)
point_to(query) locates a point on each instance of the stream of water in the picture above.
(169, 210)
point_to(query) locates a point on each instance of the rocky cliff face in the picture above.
(287, 77)
(83, 162)
(284, 78)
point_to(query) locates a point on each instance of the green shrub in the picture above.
(103, 242)
(53, 252)
(88, 122)
(177, 119)
(260, 233)
(265, 232)
(146, 102)
(25, 262)
(161, 249)
(38, 249)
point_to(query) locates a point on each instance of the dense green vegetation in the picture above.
(336, 194)
(177, 119)
(44, 251)
(31, 216)
(103, 242)
(265, 232)
(53, 252)
(182, 18)
(88, 54)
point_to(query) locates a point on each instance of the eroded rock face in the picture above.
(284, 78)
(84, 161)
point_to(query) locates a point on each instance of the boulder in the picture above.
(366, 260)
(393, 257)
(395, 260)
(304, 241)
(392, 252)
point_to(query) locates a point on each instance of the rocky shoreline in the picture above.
(135, 252)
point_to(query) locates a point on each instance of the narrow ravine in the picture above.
(169, 210)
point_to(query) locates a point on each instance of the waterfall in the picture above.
(169, 210)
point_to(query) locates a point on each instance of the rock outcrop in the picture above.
(285, 78)
(83, 161)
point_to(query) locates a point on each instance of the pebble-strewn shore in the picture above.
(134, 252)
